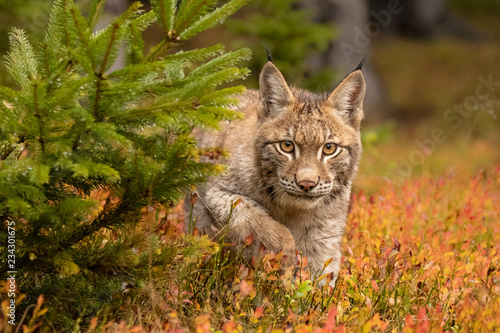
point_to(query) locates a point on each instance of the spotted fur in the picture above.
(290, 200)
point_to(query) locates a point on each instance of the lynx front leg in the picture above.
(248, 218)
(320, 245)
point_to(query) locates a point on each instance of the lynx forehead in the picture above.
(292, 161)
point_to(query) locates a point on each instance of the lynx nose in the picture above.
(306, 185)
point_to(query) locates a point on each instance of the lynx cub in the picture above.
(292, 162)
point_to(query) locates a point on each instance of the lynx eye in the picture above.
(330, 149)
(287, 146)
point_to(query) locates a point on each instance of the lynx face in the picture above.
(308, 145)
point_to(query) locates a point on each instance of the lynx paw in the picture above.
(275, 238)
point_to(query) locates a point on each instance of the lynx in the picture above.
(292, 160)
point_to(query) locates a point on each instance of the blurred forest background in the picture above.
(429, 106)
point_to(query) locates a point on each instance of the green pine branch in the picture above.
(212, 18)
(74, 130)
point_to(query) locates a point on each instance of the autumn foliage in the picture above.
(418, 257)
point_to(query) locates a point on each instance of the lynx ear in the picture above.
(347, 98)
(274, 92)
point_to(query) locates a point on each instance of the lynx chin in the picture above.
(292, 160)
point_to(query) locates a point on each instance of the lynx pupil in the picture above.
(329, 148)
(287, 146)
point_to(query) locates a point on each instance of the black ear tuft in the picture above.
(360, 66)
(269, 55)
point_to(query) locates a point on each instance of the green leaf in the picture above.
(225, 60)
(211, 19)
(21, 62)
(105, 43)
(95, 11)
(65, 264)
(135, 52)
(303, 289)
(165, 11)
(190, 10)
(39, 174)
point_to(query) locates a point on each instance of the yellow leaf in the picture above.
(323, 276)
(219, 168)
(42, 312)
(327, 263)
(449, 254)
(367, 327)
(20, 298)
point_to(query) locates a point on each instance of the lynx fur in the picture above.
(292, 160)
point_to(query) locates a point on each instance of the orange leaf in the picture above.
(409, 321)
(236, 203)
(245, 288)
(248, 239)
(258, 312)
(229, 327)
(279, 256)
(93, 324)
(423, 323)
(303, 262)
(39, 301)
(202, 324)
(330, 323)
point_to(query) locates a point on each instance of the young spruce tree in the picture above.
(85, 149)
